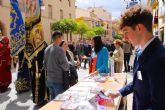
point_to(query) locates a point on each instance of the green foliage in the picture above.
(89, 34)
(65, 25)
(98, 30)
(70, 25)
(57, 26)
(82, 28)
(118, 36)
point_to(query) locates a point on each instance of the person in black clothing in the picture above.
(127, 47)
(75, 55)
(110, 46)
(87, 52)
(79, 50)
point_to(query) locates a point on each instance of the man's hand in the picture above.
(113, 94)
(94, 73)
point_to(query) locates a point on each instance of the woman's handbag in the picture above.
(66, 80)
(73, 76)
(70, 77)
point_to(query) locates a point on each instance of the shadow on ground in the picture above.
(4, 96)
(20, 102)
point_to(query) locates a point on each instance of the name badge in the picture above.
(139, 75)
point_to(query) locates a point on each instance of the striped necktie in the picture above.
(139, 52)
(136, 62)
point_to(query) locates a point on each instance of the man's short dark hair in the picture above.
(56, 34)
(137, 15)
(111, 54)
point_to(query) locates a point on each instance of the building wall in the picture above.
(86, 16)
(108, 27)
(57, 5)
(82, 12)
(46, 20)
(158, 29)
(106, 17)
(95, 15)
(5, 17)
(101, 13)
(162, 20)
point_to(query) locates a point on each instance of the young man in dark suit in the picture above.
(148, 83)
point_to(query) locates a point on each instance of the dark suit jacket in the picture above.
(149, 93)
(87, 50)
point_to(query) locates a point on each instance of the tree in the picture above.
(69, 26)
(98, 30)
(82, 28)
(57, 26)
(116, 28)
(65, 25)
(118, 36)
(89, 34)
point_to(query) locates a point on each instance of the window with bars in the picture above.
(69, 3)
(0, 2)
(51, 31)
(70, 15)
(61, 14)
(50, 13)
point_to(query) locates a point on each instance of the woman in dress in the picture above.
(118, 56)
(102, 56)
(5, 64)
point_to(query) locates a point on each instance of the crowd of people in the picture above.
(79, 53)
(115, 53)
(120, 50)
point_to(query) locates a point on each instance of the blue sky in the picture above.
(114, 6)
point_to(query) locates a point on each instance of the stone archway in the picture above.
(3, 31)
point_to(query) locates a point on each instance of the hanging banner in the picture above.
(17, 29)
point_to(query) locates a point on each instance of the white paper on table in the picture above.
(75, 95)
(90, 79)
(88, 84)
(62, 97)
(83, 92)
(116, 101)
(68, 105)
(85, 105)
(99, 107)
(80, 89)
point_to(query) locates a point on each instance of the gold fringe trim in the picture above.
(46, 93)
(37, 82)
(18, 52)
(36, 52)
